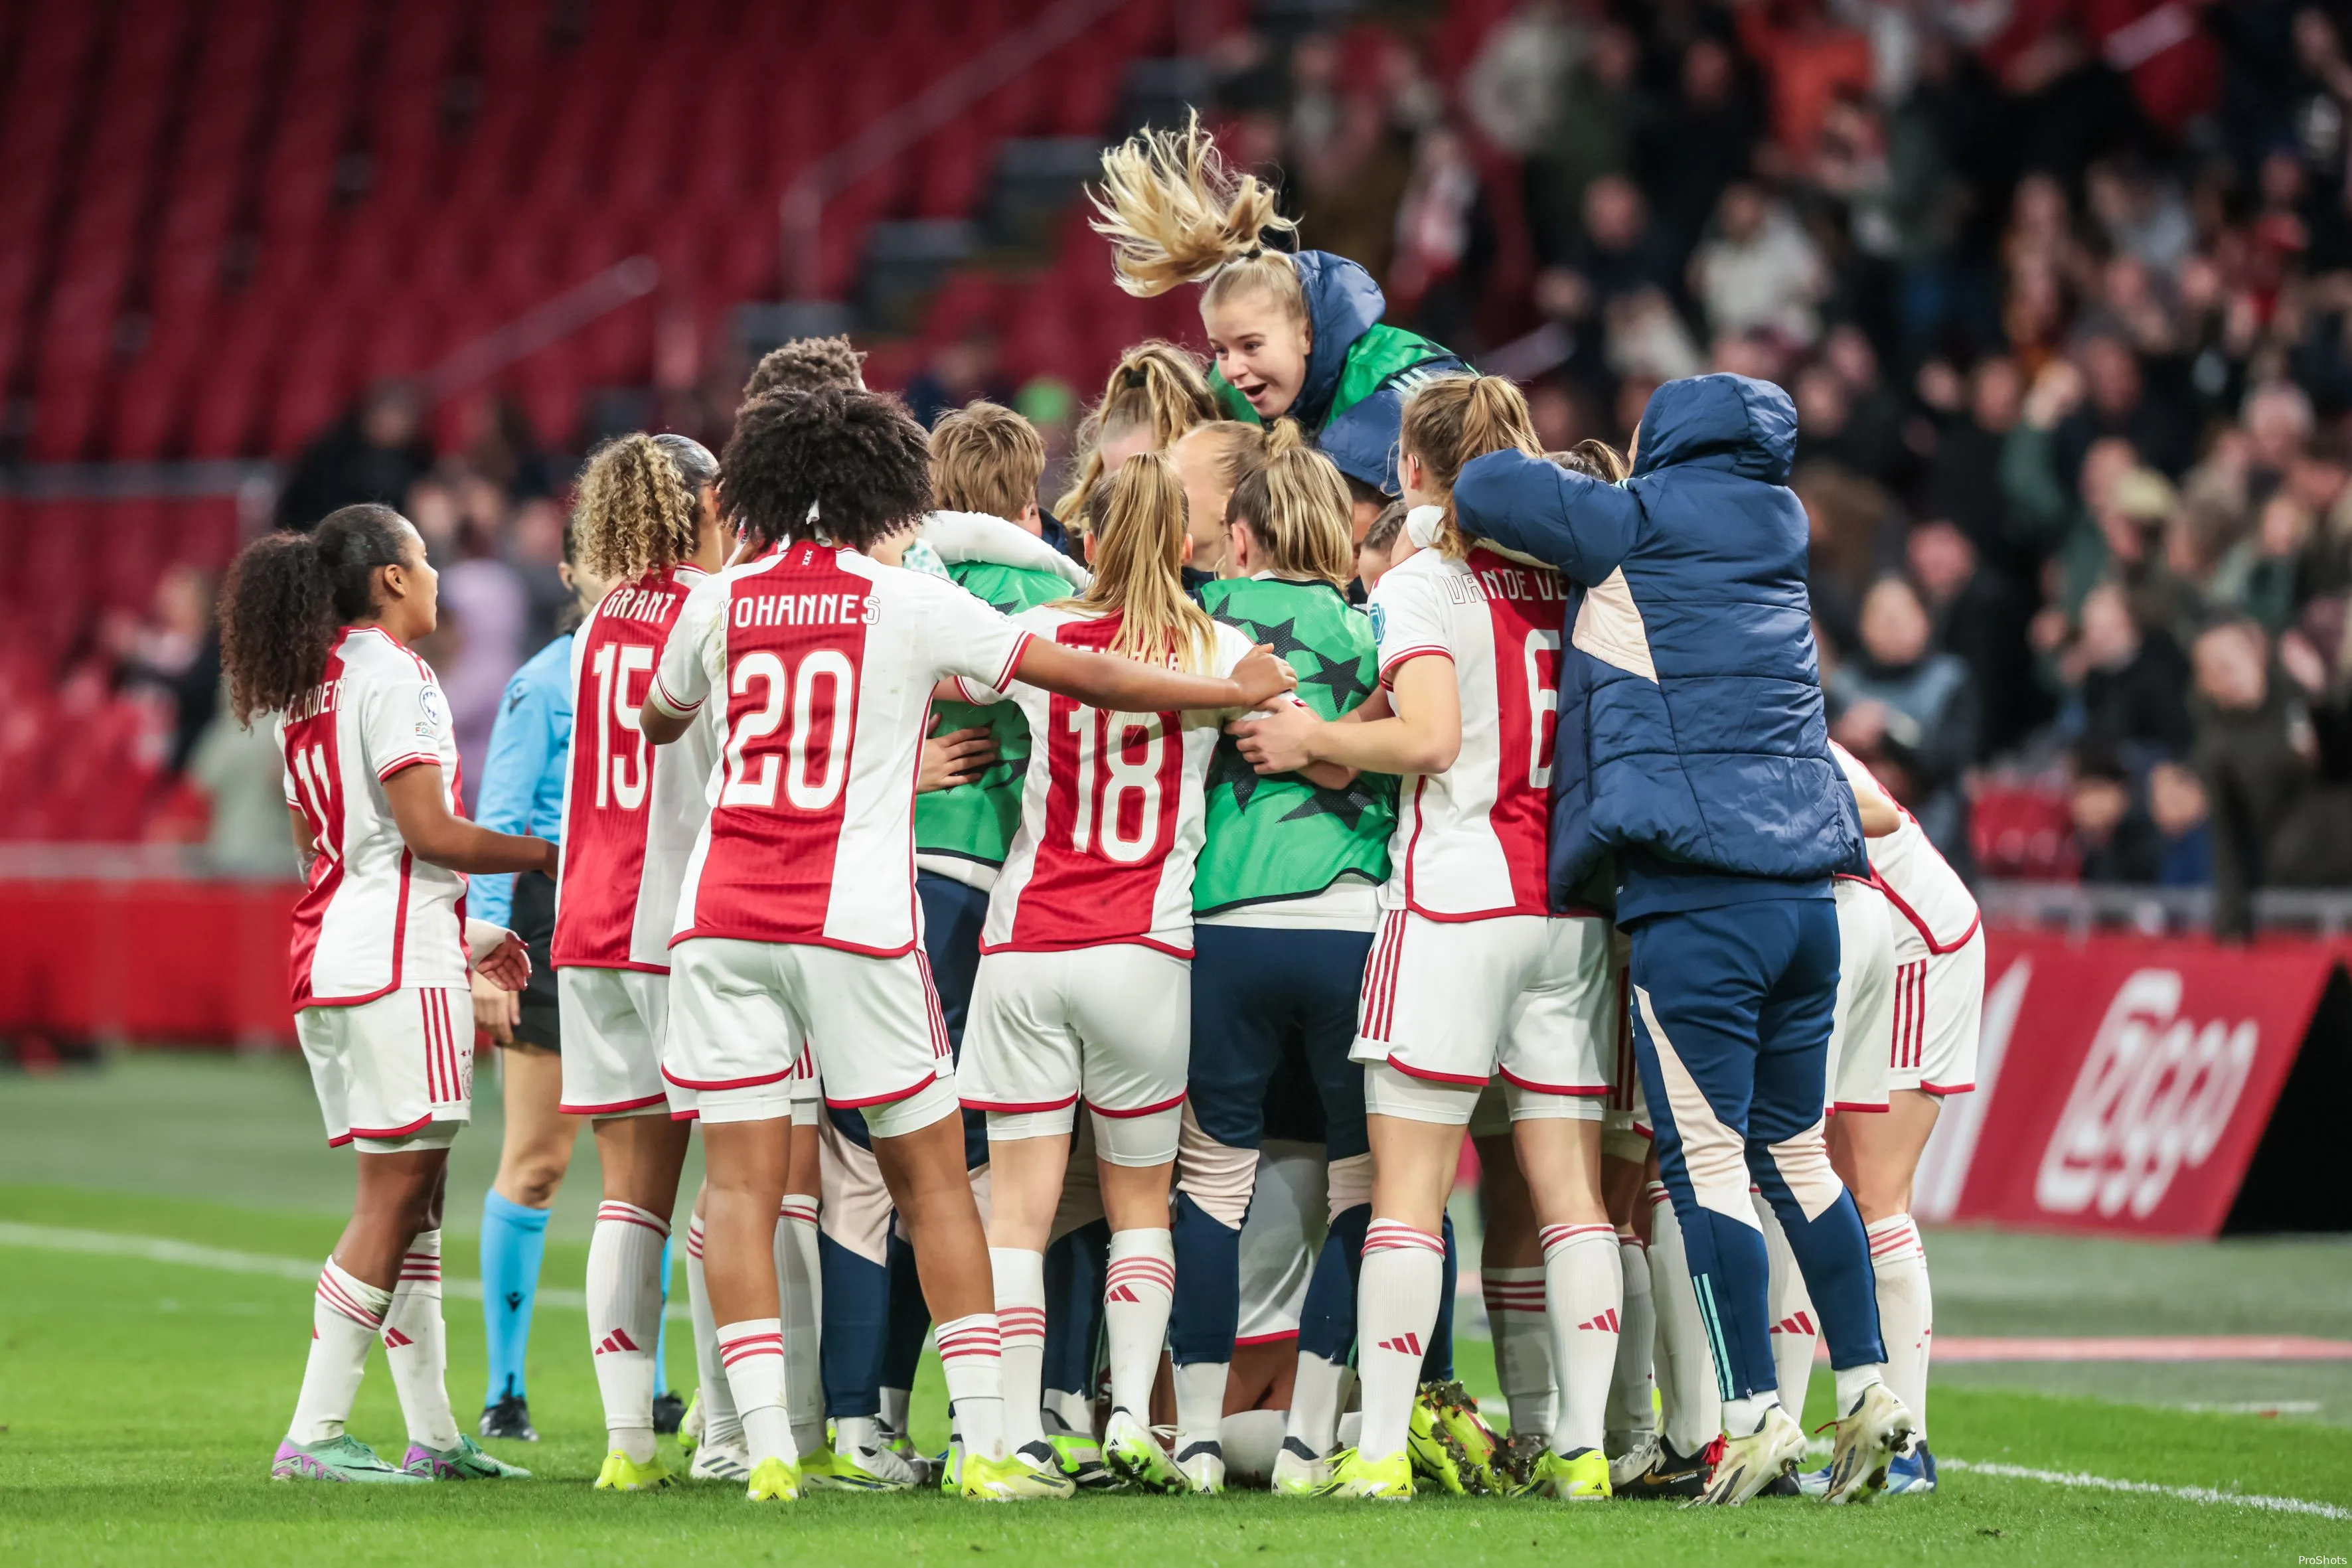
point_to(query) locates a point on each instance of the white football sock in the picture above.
(1139, 1287)
(971, 1355)
(722, 1428)
(1585, 1285)
(801, 1290)
(895, 1405)
(1853, 1381)
(345, 1318)
(1685, 1367)
(417, 1346)
(1199, 1402)
(753, 1353)
(1792, 1312)
(1396, 1307)
(1315, 1392)
(1630, 1408)
(1523, 1369)
(1907, 1313)
(1249, 1441)
(624, 1307)
(1071, 1411)
(1745, 1417)
(1019, 1277)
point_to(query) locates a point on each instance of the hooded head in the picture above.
(1343, 303)
(1732, 423)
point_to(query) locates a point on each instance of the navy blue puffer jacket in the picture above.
(1690, 699)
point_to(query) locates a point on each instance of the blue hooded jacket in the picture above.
(1692, 740)
(1358, 372)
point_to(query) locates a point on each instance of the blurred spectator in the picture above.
(1598, 113)
(502, 448)
(1699, 145)
(1907, 711)
(1850, 519)
(1760, 271)
(242, 776)
(174, 653)
(2115, 841)
(2254, 752)
(959, 372)
(2121, 686)
(1964, 476)
(484, 600)
(1977, 617)
(2176, 804)
(374, 453)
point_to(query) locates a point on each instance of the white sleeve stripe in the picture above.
(1419, 650)
(1012, 663)
(411, 760)
(661, 694)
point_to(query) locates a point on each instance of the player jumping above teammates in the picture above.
(1471, 975)
(1727, 823)
(1286, 902)
(316, 628)
(798, 924)
(647, 521)
(1084, 986)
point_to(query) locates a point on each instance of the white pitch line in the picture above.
(221, 1259)
(2207, 1495)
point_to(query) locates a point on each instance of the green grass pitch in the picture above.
(142, 1399)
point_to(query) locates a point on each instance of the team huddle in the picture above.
(1093, 960)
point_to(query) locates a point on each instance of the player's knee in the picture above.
(532, 1180)
(1350, 1184)
(1218, 1177)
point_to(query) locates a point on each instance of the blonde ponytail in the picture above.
(1136, 522)
(1156, 387)
(1449, 421)
(1298, 512)
(635, 510)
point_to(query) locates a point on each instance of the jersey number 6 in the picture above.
(751, 766)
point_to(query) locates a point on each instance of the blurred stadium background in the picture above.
(2062, 290)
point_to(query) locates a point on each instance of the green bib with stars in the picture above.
(976, 821)
(1281, 837)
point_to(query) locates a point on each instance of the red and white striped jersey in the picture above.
(374, 917)
(1470, 843)
(1112, 810)
(631, 811)
(823, 663)
(1934, 912)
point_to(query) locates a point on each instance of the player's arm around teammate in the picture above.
(1473, 974)
(317, 630)
(796, 928)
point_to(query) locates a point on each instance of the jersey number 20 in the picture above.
(751, 767)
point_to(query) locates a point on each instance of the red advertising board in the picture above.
(200, 962)
(2123, 1081)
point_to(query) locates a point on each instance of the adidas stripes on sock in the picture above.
(1523, 1368)
(514, 1240)
(1585, 1285)
(417, 1346)
(1396, 1304)
(972, 1357)
(722, 1428)
(1631, 1407)
(1019, 1277)
(752, 1351)
(800, 1289)
(1792, 1312)
(346, 1315)
(625, 1255)
(1907, 1313)
(1685, 1367)
(1139, 1287)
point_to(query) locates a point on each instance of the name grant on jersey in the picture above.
(757, 609)
(640, 603)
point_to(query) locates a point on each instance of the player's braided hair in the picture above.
(1455, 418)
(805, 364)
(287, 596)
(640, 504)
(857, 458)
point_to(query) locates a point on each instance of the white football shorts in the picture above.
(1938, 1009)
(613, 1021)
(1532, 997)
(389, 1069)
(1280, 1239)
(749, 1020)
(1110, 1025)
(1857, 1076)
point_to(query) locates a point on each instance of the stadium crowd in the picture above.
(2062, 304)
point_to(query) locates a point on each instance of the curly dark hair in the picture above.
(859, 457)
(806, 364)
(287, 596)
